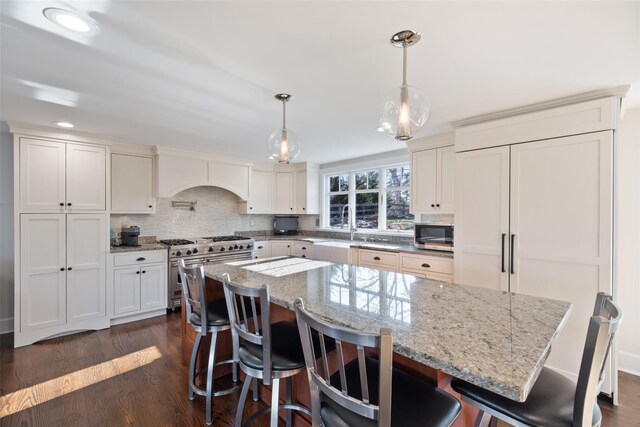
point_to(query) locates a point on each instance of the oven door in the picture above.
(175, 284)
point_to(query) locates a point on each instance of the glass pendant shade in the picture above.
(284, 146)
(405, 111)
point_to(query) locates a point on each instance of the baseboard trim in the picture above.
(629, 362)
(6, 325)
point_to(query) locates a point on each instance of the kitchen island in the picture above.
(497, 340)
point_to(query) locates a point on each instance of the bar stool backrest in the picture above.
(320, 378)
(602, 328)
(243, 304)
(195, 297)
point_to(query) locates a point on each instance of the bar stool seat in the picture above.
(550, 402)
(286, 350)
(217, 314)
(414, 402)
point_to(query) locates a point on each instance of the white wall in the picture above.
(6, 230)
(628, 241)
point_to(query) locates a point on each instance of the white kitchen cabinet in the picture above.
(260, 193)
(302, 249)
(307, 191)
(139, 286)
(432, 181)
(261, 249)
(281, 248)
(62, 275)
(429, 267)
(285, 196)
(381, 260)
(58, 176)
(132, 184)
(536, 218)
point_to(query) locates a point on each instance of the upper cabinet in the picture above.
(285, 196)
(307, 191)
(60, 176)
(260, 193)
(132, 184)
(179, 170)
(297, 189)
(433, 172)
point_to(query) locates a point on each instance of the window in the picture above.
(378, 197)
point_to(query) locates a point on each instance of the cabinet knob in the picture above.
(61, 268)
(69, 268)
(69, 204)
(250, 207)
(437, 205)
(144, 271)
(304, 209)
(150, 206)
(425, 265)
(291, 208)
(377, 258)
(137, 272)
(432, 205)
(61, 203)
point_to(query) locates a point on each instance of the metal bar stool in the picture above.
(554, 399)
(206, 318)
(365, 391)
(269, 352)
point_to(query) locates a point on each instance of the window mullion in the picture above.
(382, 199)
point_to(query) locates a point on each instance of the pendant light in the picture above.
(283, 143)
(406, 109)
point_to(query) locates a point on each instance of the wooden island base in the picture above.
(300, 382)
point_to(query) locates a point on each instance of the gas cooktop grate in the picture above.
(226, 238)
(175, 242)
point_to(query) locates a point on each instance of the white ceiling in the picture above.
(201, 75)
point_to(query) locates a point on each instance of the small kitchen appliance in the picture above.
(437, 237)
(287, 225)
(130, 235)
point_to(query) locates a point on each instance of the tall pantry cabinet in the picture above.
(534, 209)
(61, 240)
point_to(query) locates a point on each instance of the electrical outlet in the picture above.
(317, 222)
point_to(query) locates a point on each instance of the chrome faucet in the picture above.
(352, 227)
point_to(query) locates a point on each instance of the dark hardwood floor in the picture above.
(133, 374)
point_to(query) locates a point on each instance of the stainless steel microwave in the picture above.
(437, 237)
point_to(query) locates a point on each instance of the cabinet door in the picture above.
(132, 184)
(261, 192)
(446, 179)
(153, 287)
(281, 248)
(284, 192)
(86, 262)
(86, 177)
(126, 290)
(423, 181)
(482, 218)
(42, 175)
(301, 192)
(43, 271)
(561, 198)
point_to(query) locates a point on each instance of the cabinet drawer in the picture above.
(261, 254)
(378, 258)
(262, 245)
(144, 257)
(302, 247)
(426, 264)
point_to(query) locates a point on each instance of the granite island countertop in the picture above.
(496, 340)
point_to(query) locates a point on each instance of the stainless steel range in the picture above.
(202, 250)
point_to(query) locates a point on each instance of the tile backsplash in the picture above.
(215, 214)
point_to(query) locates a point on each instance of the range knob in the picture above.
(241, 247)
(230, 248)
(235, 247)
(249, 246)
(222, 249)
(178, 253)
(189, 252)
(195, 251)
(210, 248)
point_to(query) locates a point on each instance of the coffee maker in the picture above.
(130, 235)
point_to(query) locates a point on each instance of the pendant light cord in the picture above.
(284, 115)
(404, 64)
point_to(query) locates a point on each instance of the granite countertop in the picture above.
(143, 247)
(496, 340)
(361, 244)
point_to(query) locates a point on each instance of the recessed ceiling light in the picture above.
(64, 124)
(381, 129)
(270, 157)
(70, 20)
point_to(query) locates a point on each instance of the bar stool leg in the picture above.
(241, 402)
(289, 383)
(210, 367)
(275, 401)
(256, 391)
(192, 366)
(482, 420)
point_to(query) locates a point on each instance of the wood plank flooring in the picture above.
(133, 375)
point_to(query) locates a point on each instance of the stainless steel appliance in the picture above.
(130, 235)
(285, 225)
(437, 237)
(202, 250)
